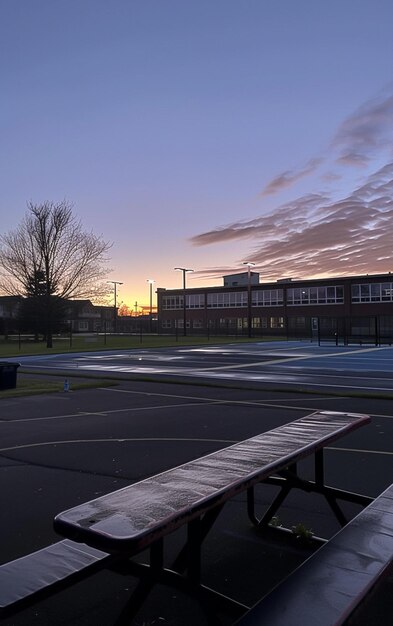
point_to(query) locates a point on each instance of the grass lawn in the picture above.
(30, 386)
(24, 346)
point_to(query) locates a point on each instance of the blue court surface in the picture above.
(294, 365)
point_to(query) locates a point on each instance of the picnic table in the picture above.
(128, 521)
(109, 531)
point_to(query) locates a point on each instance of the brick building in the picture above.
(343, 307)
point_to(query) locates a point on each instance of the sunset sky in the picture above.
(204, 133)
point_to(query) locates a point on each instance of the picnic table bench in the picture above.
(108, 531)
(328, 588)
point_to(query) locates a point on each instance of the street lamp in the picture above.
(184, 270)
(249, 264)
(114, 283)
(151, 283)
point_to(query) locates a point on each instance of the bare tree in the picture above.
(51, 258)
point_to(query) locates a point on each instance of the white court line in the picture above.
(267, 378)
(110, 412)
(261, 403)
(292, 359)
(317, 369)
(199, 401)
(168, 439)
(382, 452)
(121, 440)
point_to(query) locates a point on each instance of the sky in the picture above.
(204, 133)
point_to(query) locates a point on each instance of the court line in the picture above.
(200, 401)
(261, 403)
(295, 358)
(109, 412)
(119, 440)
(382, 452)
(168, 439)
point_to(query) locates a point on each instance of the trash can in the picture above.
(8, 372)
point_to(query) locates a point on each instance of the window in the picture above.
(227, 322)
(197, 324)
(227, 300)
(315, 295)
(172, 303)
(365, 293)
(242, 322)
(176, 303)
(195, 301)
(267, 297)
(372, 292)
(297, 322)
(355, 293)
(83, 325)
(166, 323)
(180, 323)
(386, 289)
(276, 322)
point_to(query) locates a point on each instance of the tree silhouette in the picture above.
(50, 259)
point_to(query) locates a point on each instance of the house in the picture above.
(85, 317)
(9, 313)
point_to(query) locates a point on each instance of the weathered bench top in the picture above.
(132, 518)
(32, 574)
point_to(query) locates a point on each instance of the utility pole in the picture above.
(114, 283)
(151, 282)
(184, 270)
(249, 264)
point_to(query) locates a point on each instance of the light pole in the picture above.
(151, 283)
(184, 270)
(249, 264)
(114, 283)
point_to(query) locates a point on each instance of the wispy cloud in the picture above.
(315, 235)
(358, 138)
(290, 177)
(322, 233)
(366, 131)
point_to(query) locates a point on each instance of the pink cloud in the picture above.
(289, 178)
(315, 235)
(364, 132)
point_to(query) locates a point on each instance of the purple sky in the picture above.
(204, 134)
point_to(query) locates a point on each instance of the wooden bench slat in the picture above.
(31, 574)
(137, 514)
(326, 588)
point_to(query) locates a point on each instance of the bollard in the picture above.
(66, 385)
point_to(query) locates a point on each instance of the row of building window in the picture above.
(267, 297)
(374, 292)
(316, 295)
(334, 294)
(359, 325)
(239, 299)
(229, 323)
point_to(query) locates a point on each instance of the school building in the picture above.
(343, 308)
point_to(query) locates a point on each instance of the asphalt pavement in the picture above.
(62, 449)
